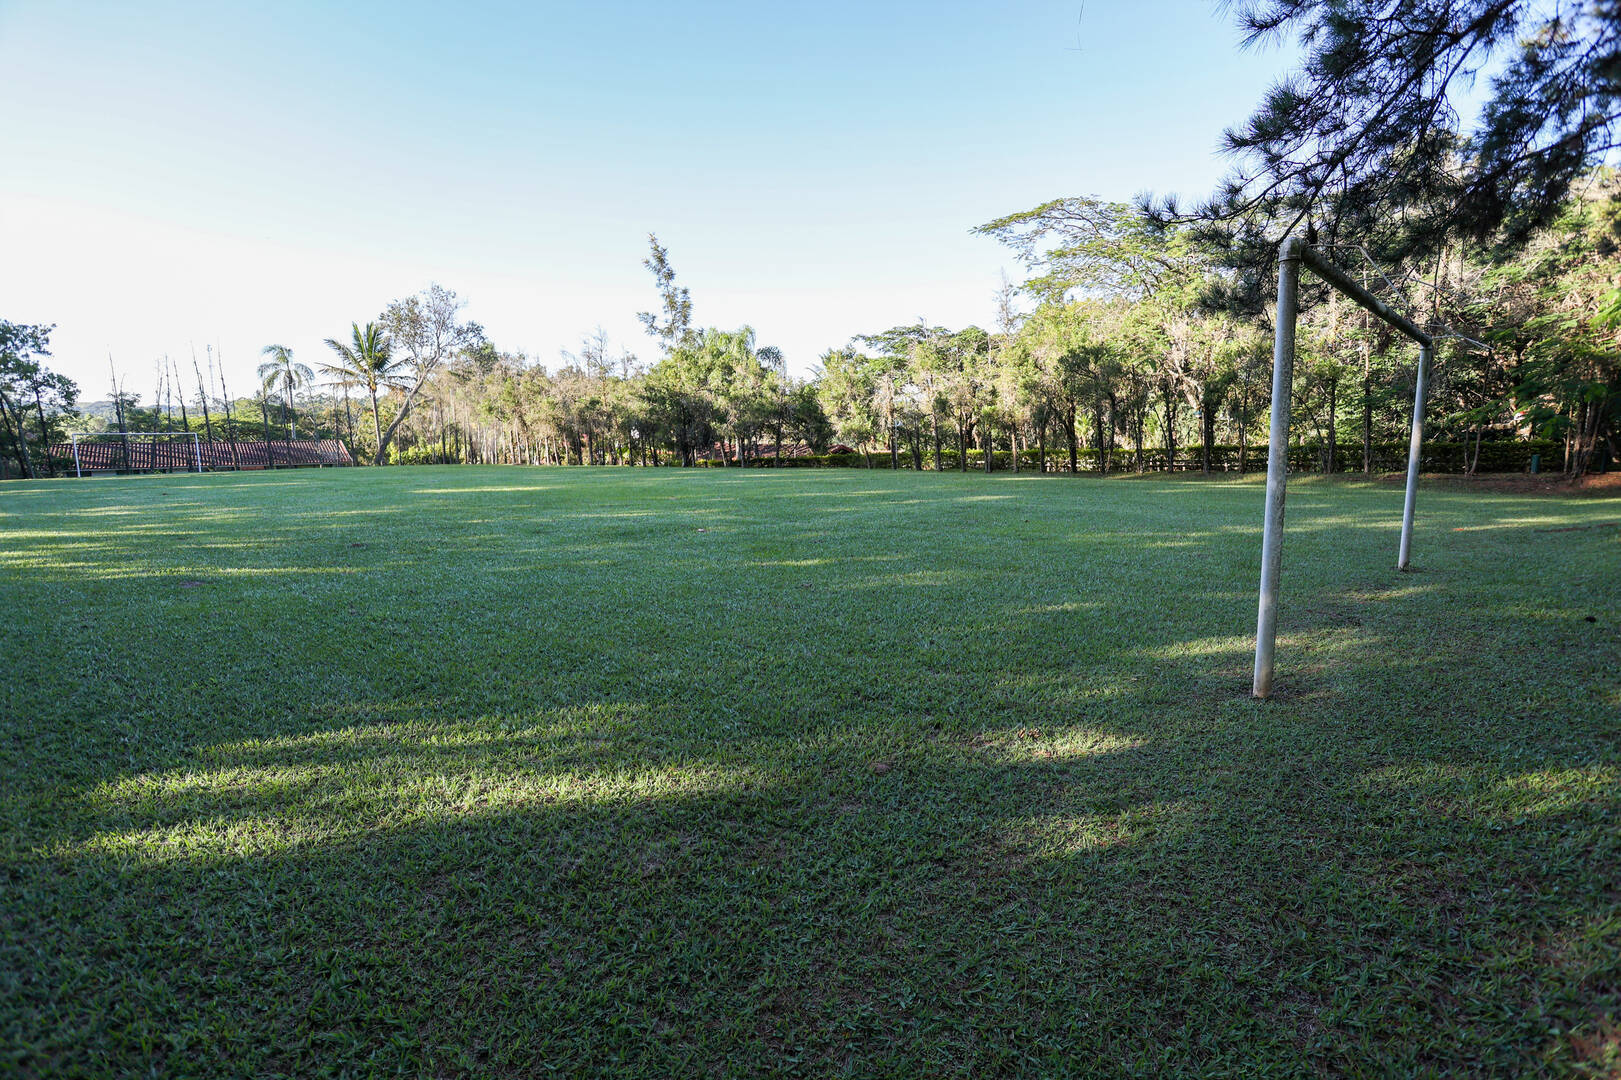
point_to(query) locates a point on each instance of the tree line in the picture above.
(1111, 354)
(1108, 356)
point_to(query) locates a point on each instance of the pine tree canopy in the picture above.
(1366, 141)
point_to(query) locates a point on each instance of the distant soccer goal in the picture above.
(131, 451)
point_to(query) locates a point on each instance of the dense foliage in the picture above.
(1368, 141)
(1120, 363)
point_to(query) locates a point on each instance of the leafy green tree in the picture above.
(1082, 243)
(1074, 350)
(672, 324)
(846, 383)
(1247, 356)
(24, 382)
(425, 332)
(1565, 377)
(1364, 142)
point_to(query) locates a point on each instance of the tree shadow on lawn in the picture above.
(1150, 886)
(666, 851)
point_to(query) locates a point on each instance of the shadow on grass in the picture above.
(606, 890)
(1010, 815)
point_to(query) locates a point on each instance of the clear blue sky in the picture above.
(194, 173)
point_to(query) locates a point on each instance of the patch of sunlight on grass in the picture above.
(1060, 743)
(1382, 595)
(1554, 791)
(614, 515)
(478, 490)
(1067, 607)
(1534, 521)
(1206, 647)
(1476, 793)
(1062, 836)
(834, 493)
(54, 535)
(933, 578)
(126, 572)
(110, 511)
(263, 810)
(1344, 638)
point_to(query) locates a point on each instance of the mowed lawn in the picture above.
(511, 772)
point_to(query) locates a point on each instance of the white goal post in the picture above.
(124, 437)
(1291, 255)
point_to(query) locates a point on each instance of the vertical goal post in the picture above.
(196, 445)
(1291, 255)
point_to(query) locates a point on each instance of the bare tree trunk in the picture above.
(292, 417)
(202, 397)
(230, 428)
(180, 392)
(1207, 433)
(44, 433)
(264, 416)
(1170, 428)
(1097, 432)
(377, 427)
(1243, 435)
(18, 436)
(1069, 436)
(1367, 411)
(1107, 449)
(1333, 426)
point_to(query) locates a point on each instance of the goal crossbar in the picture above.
(196, 446)
(1294, 252)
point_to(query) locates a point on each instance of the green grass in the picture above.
(658, 773)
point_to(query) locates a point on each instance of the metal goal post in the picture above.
(1294, 252)
(125, 436)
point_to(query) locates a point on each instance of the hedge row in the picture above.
(1441, 457)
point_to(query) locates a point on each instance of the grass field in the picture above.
(663, 773)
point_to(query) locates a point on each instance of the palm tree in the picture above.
(366, 361)
(280, 368)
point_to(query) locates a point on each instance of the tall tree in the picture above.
(425, 331)
(281, 369)
(24, 381)
(846, 384)
(366, 361)
(672, 324)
